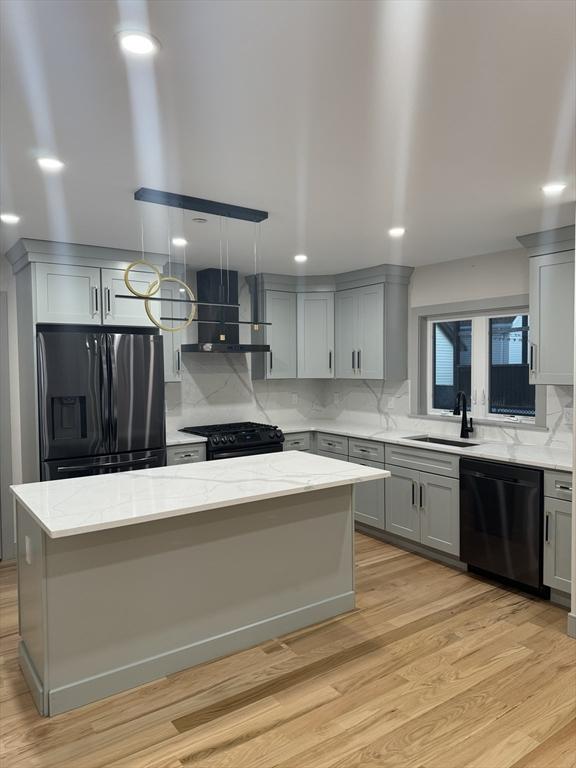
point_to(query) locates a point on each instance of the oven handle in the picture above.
(244, 452)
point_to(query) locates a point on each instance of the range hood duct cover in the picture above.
(220, 287)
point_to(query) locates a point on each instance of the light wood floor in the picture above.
(435, 669)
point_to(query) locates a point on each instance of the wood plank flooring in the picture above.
(434, 669)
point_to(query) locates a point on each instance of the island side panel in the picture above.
(132, 604)
(30, 555)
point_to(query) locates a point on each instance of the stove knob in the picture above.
(278, 433)
(232, 438)
(271, 435)
(224, 438)
(215, 440)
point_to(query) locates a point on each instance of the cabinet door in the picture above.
(370, 497)
(552, 318)
(439, 499)
(316, 335)
(370, 332)
(68, 294)
(557, 542)
(346, 310)
(402, 513)
(281, 335)
(124, 311)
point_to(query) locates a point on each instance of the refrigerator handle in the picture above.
(100, 355)
(113, 393)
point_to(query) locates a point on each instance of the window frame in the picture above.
(480, 367)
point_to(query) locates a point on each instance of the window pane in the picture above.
(452, 362)
(510, 390)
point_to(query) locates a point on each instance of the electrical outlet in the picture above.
(337, 397)
(294, 398)
(28, 550)
(390, 404)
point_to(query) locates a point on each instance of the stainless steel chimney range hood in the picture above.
(216, 286)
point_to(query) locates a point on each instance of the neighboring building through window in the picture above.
(487, 358)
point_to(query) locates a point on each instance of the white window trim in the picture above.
(479, 380)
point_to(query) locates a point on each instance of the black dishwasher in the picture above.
(501, 512)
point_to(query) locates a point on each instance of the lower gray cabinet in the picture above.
(370, 497)
(440, 512)
(424, 507)
(185, 454)
(402, 513)
(557, 543)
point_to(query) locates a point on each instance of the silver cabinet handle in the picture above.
(94, 301)
(271, 361)
(413, 493)
(359, 360)
(532, 356)
(562, 487)
(353, 360)
(547, 528)
(186, 455)
(108, 309)
(178, 360)
(421, 496)
(330, 360)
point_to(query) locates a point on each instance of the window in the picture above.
(486, 357)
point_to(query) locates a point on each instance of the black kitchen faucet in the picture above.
(467, 426)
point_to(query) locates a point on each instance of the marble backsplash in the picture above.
(218, 388)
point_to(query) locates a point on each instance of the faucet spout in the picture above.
(467, 426)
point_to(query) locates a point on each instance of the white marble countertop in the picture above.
(544, 457)
(175, 437)
(98, 502)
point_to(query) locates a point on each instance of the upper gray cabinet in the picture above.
(552, 318)
(119, 311)
(349, 325)
(360, 333)
(315, 335)
(551, 334)
(68, 294)
(281, 335)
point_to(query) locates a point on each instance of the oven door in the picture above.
(235, 452)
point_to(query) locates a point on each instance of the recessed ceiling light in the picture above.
(396, 232)
(553, 189)
(179, 241)
(300, 258)
(9, 218)
(50, 164)
(138, 43)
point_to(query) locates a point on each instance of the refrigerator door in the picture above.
(136, 385)
(72, 394)
(102, 465)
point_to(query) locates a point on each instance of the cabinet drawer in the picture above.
(558, 485)
(447, 464)
(185, 454)
(298, 441)
(332, 443)
(366, 449)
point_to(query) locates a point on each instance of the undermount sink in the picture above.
(442, 441)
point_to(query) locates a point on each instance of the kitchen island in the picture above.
(129, 577)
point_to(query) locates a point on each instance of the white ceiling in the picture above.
(342, 119)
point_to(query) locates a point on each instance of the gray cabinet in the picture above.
(421, 505)
(557, 543)
(360, 332)
(332, 443)
(67, 294)
(551, 333)
(281, 335)
(370, 497)
(440, 512)
(315, 333)
(185, 454)
(402, 512)
(118, 311)
(298, 441)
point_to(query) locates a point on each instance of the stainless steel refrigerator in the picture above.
(101, 401)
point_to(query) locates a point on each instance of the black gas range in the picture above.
(243, 438)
